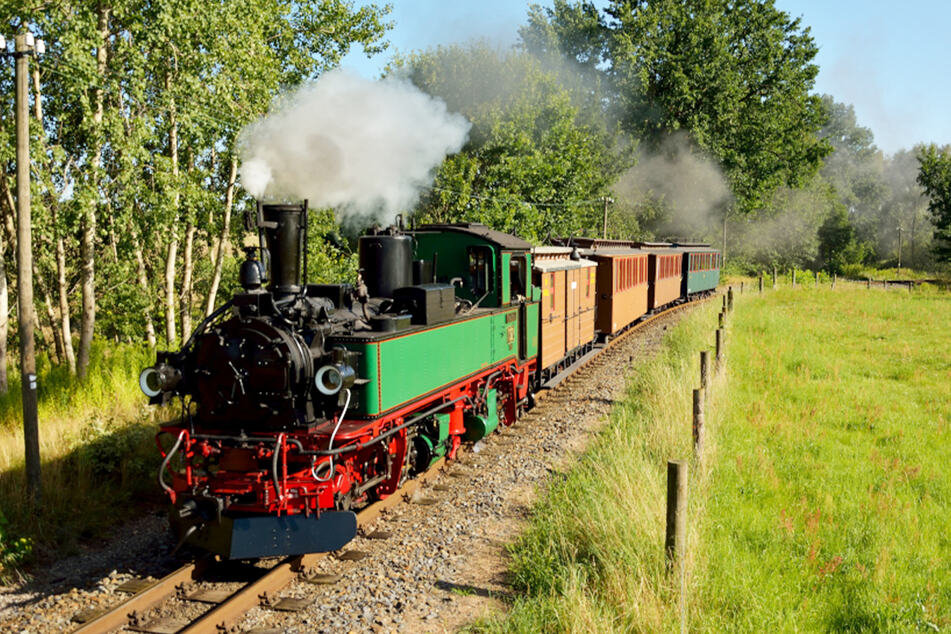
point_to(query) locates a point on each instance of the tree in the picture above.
(736, 75)
(541, 150)
(838, 248)
(935, 177)
(135, 149)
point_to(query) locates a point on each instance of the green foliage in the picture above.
(736, 75)
(14, 551)
(935, 177)
(113, 449)
(838, 247)
(541, 149)
(113, 380)
(145, 138)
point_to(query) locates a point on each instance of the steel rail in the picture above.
(224, 614)
(144, 600)
(216, 619)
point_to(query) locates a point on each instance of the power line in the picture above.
(514, 201)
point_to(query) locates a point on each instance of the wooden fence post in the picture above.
(794, 277)
(719, 347)
(676, 538)
(868, 282)
(761, 282)
(833, 281)
(817, 279)
(704, 368)
(698, 421)
(720, 320)
(774, 277)
(729, 299)
(741, 287)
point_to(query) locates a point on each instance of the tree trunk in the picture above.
(7, 237)
(61, 284)
(170, 292)
(144, 285)
(187, 267)
(50, 327)
(88, 241)
(4, 315)
(222, 243)
(173, 244)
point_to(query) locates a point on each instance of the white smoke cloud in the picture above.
(357, 145)
(691, 187)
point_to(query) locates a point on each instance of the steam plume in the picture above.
(360, 146)
(690, 188)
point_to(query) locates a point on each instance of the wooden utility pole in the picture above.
(604, 229)
(31, 434)
(899, 249)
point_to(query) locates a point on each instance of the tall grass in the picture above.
(97, 454)
(592, 557)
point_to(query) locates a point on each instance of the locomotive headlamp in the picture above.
(158, 378)
(330, 379)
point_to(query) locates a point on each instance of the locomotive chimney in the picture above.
(285, 232)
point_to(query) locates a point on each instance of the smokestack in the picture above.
(283, 228)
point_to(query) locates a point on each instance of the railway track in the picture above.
(228, 603)
(227, 606)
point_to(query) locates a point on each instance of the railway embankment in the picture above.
(821, 500)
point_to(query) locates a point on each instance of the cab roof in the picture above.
(503, 240)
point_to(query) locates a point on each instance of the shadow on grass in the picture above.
(88, 493)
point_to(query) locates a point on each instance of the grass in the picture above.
(830, 504)
(823, 502)
(97, 451)
(592, 558)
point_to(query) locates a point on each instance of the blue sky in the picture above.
(890, 60)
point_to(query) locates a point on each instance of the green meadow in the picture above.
(829, 507)
(822, 501)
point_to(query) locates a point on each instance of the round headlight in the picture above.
(150, 382)
(328, 380)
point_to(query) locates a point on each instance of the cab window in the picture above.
(480, 270)
(517, 271)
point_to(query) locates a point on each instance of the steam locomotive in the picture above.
(302, 402)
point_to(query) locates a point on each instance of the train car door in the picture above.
(571, 308)
(552, 317)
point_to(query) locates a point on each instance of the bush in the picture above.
(14, 551)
